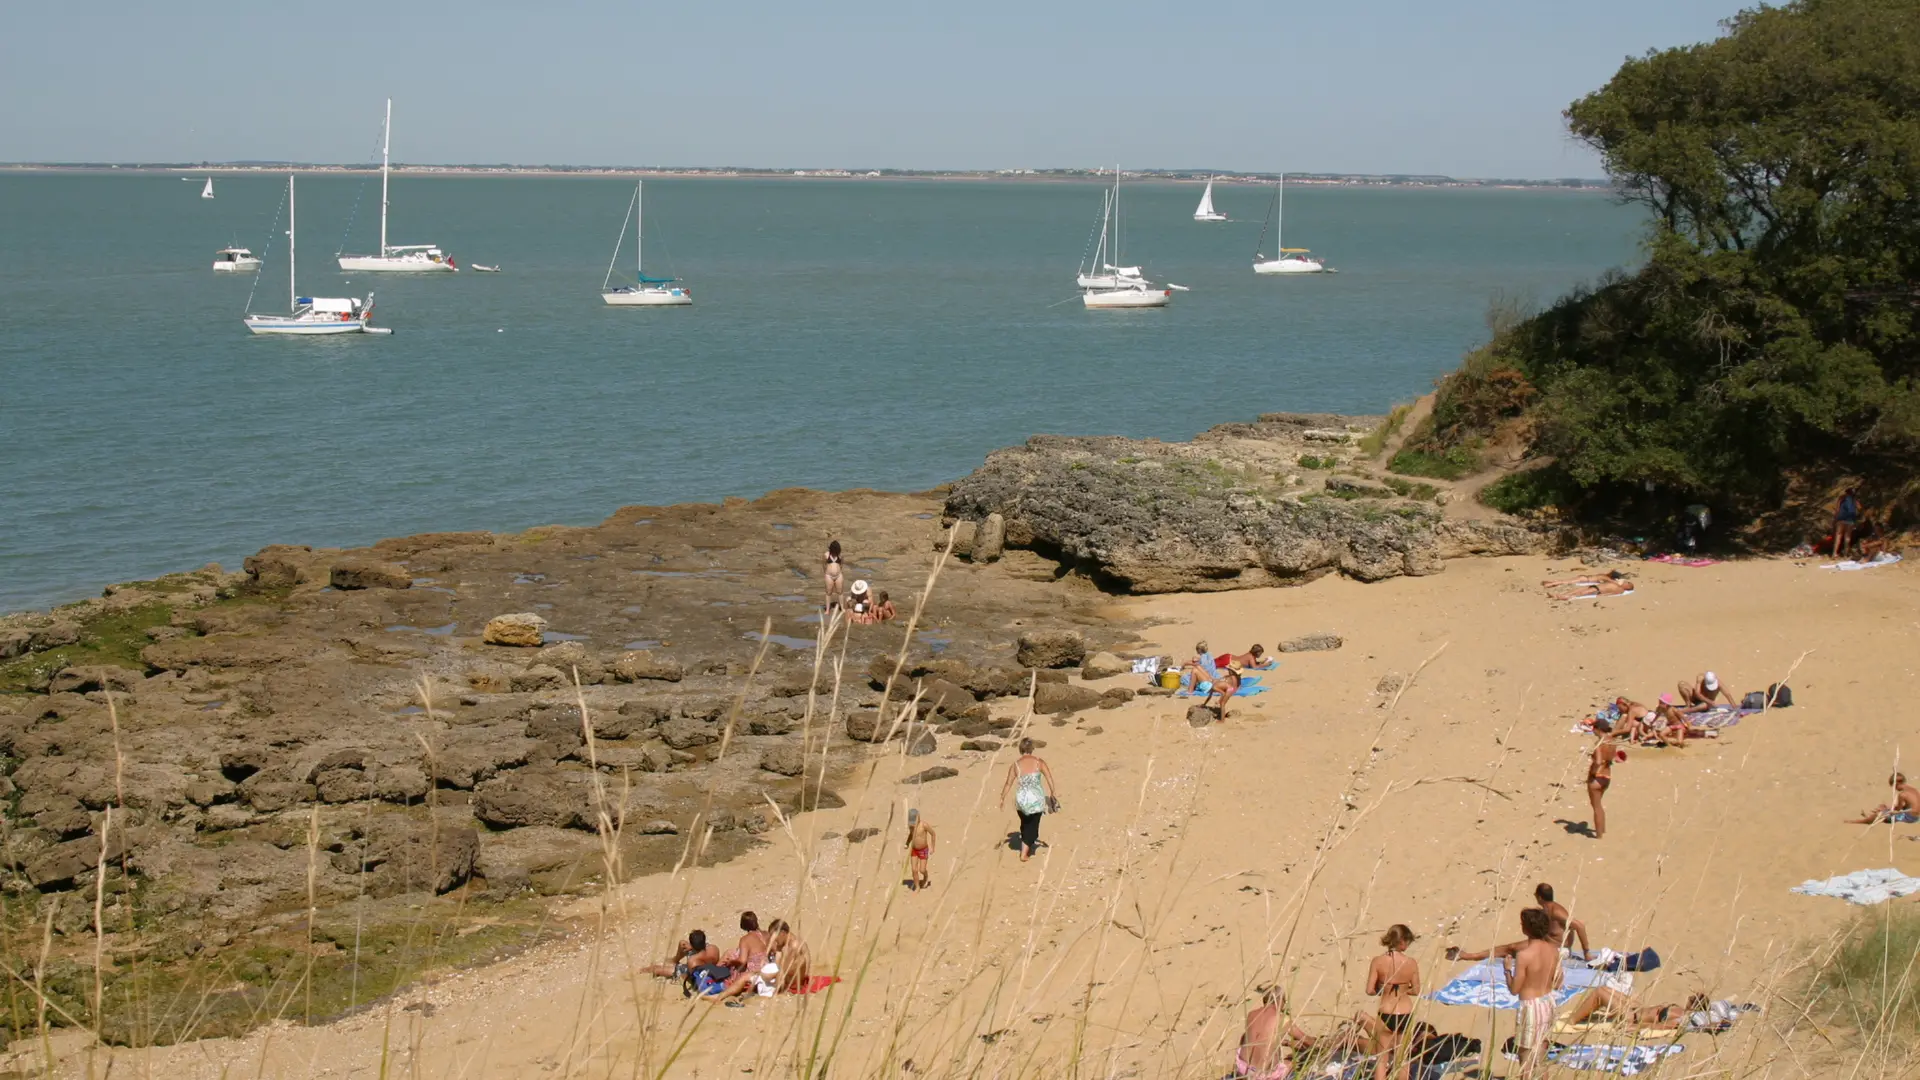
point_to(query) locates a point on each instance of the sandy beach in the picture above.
(1190, 865)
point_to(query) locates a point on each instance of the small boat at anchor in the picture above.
(645, 291)
(1290, 260)
(235, 259)
(396, 258)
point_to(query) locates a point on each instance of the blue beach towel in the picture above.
(1493, 995)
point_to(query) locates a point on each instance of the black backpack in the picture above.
(1780, 696)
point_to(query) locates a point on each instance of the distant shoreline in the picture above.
(1042, 176)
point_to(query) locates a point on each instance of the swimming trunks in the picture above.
(1243, 1071)
(918, 853)
(1903, 817)
(1534, 1023)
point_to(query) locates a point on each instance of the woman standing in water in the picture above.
(1033, 791)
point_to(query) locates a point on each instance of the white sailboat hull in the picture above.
(1290, 266)
(305, 326)
(1210, 217)
(653, 297)
(1110, 299)
(412, 262)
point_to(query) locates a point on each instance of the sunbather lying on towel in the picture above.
(1614, 584)
(1603, 1003)
(1255, 659)
(1903, 810)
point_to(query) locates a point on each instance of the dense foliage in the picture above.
(1775, 329)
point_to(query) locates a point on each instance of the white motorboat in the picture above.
(396, 258)
(1141, 295)
(312, 316)
(1205, 211)
(645, 291)
(235, 259)
(1289, 260)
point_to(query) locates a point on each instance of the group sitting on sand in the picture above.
(1222, 677)
(765, 963)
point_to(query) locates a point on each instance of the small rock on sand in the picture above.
(1050, 649)
(854, 836)
(370, 574)
(938, 772)
(980, 744)
(1200, 715)
(1104, 665)
(522, 630)
(1312, 643)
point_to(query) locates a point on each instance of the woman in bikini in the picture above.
(1600, 775)
(832, 569)
(1394, 978)
(1614, 584)
(1604, 1003)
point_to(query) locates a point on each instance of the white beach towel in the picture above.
(1863, 886)
(1885, 558)
(1149, 666)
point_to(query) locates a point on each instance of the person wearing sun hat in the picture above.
(1704, 693)
(860, 602)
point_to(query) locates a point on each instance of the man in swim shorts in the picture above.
(1565, 927)
(1903, 810)
(1533, 974)
(694, 952)
(919, 849)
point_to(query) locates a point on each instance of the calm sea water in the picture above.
(878, 333)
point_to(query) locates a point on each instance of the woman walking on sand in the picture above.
(831, 564)
(1034, 794)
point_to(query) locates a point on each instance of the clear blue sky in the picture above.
(1466, 88)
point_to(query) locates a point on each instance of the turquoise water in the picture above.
(878, 333)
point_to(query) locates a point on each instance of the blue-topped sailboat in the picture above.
(646, 291)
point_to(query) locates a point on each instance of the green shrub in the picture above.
(1376, 440)
(1535, 489)
(1872, 982)
(1449, 464)
(1309, 461)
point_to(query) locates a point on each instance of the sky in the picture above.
(1357, 86)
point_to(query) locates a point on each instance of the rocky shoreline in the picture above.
(332, 739)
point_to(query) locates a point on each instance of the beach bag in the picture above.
(1644, 960)
(1781, 695)
(1754, 700)
(710, 979)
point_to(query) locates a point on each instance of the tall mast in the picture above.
(293, 291)
(1116, 215)
(1280, 216)
(386, 143)
(639, 235)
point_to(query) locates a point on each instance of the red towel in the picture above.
(816, 984)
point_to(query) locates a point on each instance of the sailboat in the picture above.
(1109, 286)
(312, 315)
(1290, 260)
(1205, 211)
(403, 258)
(207, 192)
(647, 291)
(1103, 274)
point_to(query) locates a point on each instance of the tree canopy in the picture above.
(1773, 330)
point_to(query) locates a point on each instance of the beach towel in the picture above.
(1682, 560)
(1607, 1030)
(815, 984)
(1863, 887)
(1244, 691)
(1625, 1060)
(1485, 985)
(1885, 558)
(1149, 666)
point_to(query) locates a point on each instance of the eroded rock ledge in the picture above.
(1241, 506)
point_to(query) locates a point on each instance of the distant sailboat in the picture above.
(398, 258)
(1290, 260)
(1205, 211)
(207, 192)
(1109, 286)
(646, 291)
(311, 316)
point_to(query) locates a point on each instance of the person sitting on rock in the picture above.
(1224, 687)
(860, 603)
(883, 607)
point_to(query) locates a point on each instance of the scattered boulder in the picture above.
(399, 784)
(660, 828)
(961, 534)
(1312, 643)
(56, 867)
(864, 725)
(989, 540)
(922, 743)
(53, 636)
(864, 832)
(369, 574)
(988, 745)
(1201, 715)
(569, 657)
(342, 786)
(684, 733)
(523, 630)
(530, 797)
(633, 718)
(277, 566)
(1104, 665)
(270, 796)
(237, 765)
(938, 772)
(642, 664)
(1050, 649)
(1390, 683)
(537, 678)
(14, 643)
(1059, 699)
(80, 680)
(401, 855)
(786, 759)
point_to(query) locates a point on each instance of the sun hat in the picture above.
(859, 587)
(1712, 681)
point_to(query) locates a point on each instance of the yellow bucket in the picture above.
(1170, 679)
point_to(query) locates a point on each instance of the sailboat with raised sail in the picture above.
(1289, 260)
(311, 316)
(207, 192)
(1205, 211)
(400, 258)
(645, 291)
